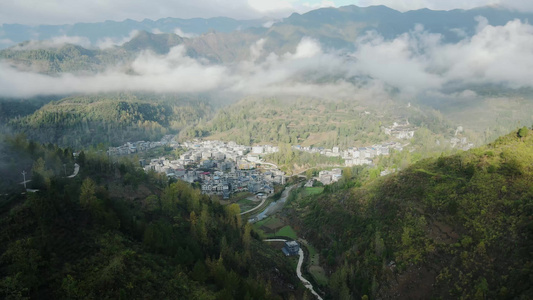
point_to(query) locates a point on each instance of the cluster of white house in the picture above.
(461, 143)
(400, 131)
(245, 157)
(140, 146)
(355, 156)
(328, 177)
(221, 168)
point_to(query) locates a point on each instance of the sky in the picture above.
(34, 12)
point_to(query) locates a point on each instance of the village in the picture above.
(225, 168)
(221, 168)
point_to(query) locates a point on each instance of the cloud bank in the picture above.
(417, 62)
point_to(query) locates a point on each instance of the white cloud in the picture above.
(6, 43)
(173, 72)
(108, 42)
(419, 61)
(180, 32)
(307, 48)
(268, 24)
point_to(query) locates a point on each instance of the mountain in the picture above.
(96, 32)
(335, 28)
(70, 58)
(447, 227)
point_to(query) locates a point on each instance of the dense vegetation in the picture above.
(111, 118)
(114, 232)
(294, 161)
(65, 58)
(445, 228)
(11, 108)
(318, 122)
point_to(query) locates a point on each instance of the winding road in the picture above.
(306, 282)
(250, 210)
(275, 206)
(76, 170)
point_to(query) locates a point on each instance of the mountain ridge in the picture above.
(394, 23)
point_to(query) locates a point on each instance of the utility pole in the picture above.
(24, 176)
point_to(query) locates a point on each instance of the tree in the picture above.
(309, 174)
(523, 132)
(87, 196)
(152, 203)
(81, 158)
(233, 214)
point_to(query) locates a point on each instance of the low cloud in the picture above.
(109, 42)
(60, 41)
(173, 72)
(180, 32)
(6, 43)
(415, 63)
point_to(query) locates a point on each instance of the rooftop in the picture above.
(291, 243)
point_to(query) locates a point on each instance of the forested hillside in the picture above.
(444, 228)
(115, 232)
(311, 121)
(112, 119)
(64, 58)
(11, 108)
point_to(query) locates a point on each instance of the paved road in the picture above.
(275, 206)
(269, 164)
(306, 282)
(76, 170)
(257, 207)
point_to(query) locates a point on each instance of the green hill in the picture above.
(64, 58)
(115, 232)
(111, 118)
(311, 121)
(444, 228)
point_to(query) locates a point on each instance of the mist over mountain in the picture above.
(329, 51)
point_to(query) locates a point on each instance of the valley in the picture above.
(295, 150)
